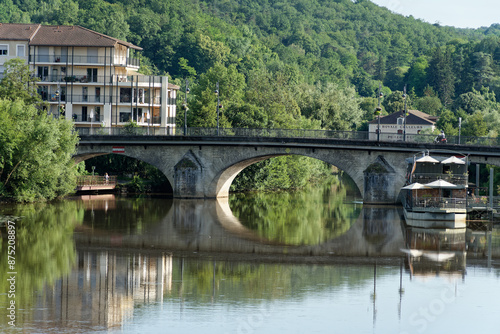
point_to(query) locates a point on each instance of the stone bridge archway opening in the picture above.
(136, 174)
(230, 178)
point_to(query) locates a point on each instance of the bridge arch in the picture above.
(80, 157)
(223, 180)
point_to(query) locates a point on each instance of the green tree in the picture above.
(203, 112)
(416, 76)
(475, 126)
(448, 122)
(429, 104)
(440, 75)
(396, 102)
(35, 149)
(36, 161)
(18, 82)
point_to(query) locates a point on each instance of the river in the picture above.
(314, 261)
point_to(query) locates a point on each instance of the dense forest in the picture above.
(299, 63)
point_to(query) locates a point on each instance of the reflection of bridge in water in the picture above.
(210, 226)
(107, 284)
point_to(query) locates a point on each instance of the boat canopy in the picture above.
(427, 158)
(442, 184)
(453, 160)
(415, 186)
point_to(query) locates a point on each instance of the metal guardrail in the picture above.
(95, 180)
(292, 133)
(440, 202)
(429, 177)
(483, 202)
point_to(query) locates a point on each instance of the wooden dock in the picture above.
(95, 183)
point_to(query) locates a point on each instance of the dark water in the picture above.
(315, 261)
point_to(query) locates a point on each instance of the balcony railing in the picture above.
(86, 99)
(68, 59)
(101, 79)
(140, 101)
(85, 118)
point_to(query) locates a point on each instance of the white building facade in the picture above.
(395, 126)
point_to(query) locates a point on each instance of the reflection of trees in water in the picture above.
(44, 248)
(309, 217)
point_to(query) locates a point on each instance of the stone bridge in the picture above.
(205, 166)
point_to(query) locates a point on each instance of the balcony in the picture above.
(126, 98)
(75, 79)
(86, 118)
(143, 81)
(82, 60)
(86, 99)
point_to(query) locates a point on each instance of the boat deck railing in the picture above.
(483, 202)
(430, 177)
(440, 203)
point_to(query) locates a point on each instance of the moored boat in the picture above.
(436, 192)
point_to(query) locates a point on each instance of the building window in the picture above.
(137, 114)
(85, 94)
(20, 50)
(84, 114)
(4, 50)
(43, 91)
(91, 74)
(43, 72)
(125, 95)
(124, 117)
(401, 121)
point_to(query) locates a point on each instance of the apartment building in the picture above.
(89, 77)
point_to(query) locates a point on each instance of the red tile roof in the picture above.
(41, 35)
(17, 31)
(75, 36)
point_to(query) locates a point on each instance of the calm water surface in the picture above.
(315, 261)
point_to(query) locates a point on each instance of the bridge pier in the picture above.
(381, 183)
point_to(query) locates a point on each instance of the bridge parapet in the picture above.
(287, 133)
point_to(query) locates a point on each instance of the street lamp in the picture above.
(185, 107)
(378, 110)
(218, 103)
(148, 116)
(91, 119)
(404, 118)
(459, 128)
(58, 101)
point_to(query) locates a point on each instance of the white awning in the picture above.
(442, 184)
(427, 159)
(453, 160)
(416, 185)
